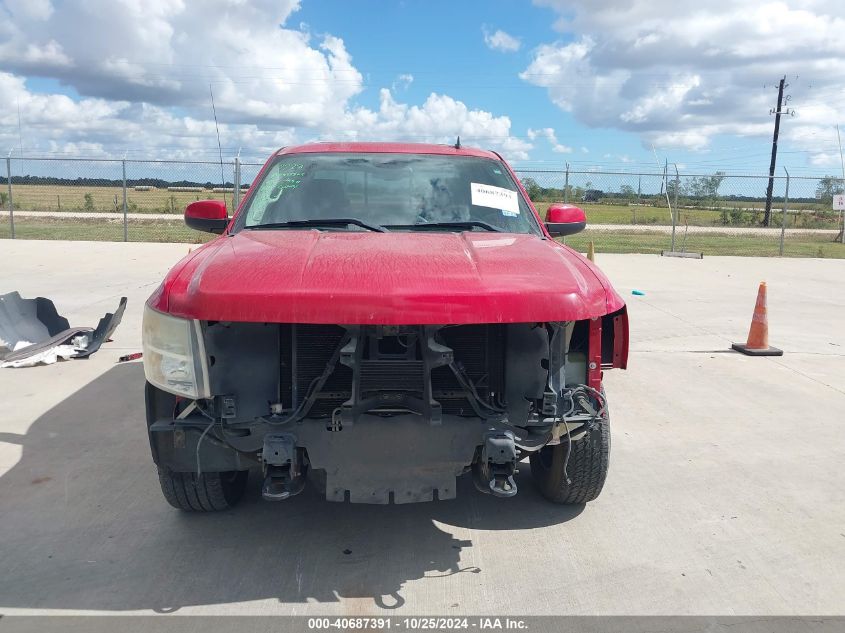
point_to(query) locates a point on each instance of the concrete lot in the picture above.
(726, 493)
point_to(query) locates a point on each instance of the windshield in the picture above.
(390, 191)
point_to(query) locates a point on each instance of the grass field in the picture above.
(708, 244)
(102, 230)
(630, 214)
(106, 199)
(605, 241)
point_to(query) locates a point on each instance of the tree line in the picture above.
(696, 188)
(54, 181)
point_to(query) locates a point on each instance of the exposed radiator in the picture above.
(392, 375)
(315, 345)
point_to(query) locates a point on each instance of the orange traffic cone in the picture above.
(758, 335)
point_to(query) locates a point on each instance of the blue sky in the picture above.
(442, 45)
(448, 54)
(595, 84)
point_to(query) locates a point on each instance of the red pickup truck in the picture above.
(379, 319)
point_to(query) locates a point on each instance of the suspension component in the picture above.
(494, 469)
(284, 470)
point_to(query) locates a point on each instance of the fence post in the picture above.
(841, 215)
(842, 164)
(639, 195)
(675, 210)
(125, 218)
(11, 206)
(566, 185)
(783, 220)
(237, 189)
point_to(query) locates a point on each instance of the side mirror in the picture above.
(210, 216)
(565, 219)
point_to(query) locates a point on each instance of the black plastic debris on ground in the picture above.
(36, 321)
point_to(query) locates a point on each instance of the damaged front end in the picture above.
(372, 413)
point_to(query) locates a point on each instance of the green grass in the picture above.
(102, 230)
(598, 213)
(746, 245)
(605, 242)
(107, 199)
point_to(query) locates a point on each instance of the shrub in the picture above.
(737, 216)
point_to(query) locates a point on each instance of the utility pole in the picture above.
(767, 217)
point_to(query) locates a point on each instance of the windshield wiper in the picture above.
(318, 222)
(462, 224)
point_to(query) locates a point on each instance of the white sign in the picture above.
(839, 202)
(495, 198)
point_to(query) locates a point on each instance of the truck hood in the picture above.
(398, 278)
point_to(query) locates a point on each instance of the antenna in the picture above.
(219, 149)
(665, 181)
(20, 134)
(458, 143)
(842, 162)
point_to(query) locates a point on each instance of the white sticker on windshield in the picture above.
(495, 198)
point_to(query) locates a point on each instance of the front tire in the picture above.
(587, 467)
(208, 492)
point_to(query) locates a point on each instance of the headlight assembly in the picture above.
(174, 354)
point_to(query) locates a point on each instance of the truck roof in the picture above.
(386, 148)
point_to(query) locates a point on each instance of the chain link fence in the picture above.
(711, 214)
(114, 200)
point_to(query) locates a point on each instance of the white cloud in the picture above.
(533, 134)
(167, 52)
(679, 73)
(440, 119)
(825, 159)
(143, 71)
(667, 100)
(29, 9)
(99, 127)
(57, 123)
(549, 134)
(501, 41)
(402, 82)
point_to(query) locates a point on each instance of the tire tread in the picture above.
(587, 468)
(207, 492)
